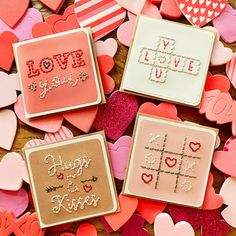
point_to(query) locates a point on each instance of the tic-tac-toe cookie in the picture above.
(170, 160)
(58, 73)
(71, 180)
(166, 65)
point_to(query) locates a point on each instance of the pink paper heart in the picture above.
(62, 134)
(225, 23)
(14, 201)
(23, 29)
(225, 161)
(231, 70)
(12, 172)
(134, 6)
(9, 84)
(116, 115)
(108, 47)
(8, 126)
(119, 154)
(164, 226)
(220, 54)
(135, 226)
(48, 124)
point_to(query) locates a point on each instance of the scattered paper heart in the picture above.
(135, 226)
(7, 38)
(225, 161)
(220, 54)
(54, 6)
(225, 22)
(119, 154)
(128, 206)
(170, 9)
(135, 6)
(164, 226)
(86, 229)
(9, 84)
(14, 201)
(11, 12)
(227, 143)
(116, 115)
(228, 191)
(108, 47)
(8, 127)
(12, 172)
(150, 209)
(106, 63)
(200, 12)
(23, 29)
(231, 70)
(41, 29)
(211, 200)
(103, 16)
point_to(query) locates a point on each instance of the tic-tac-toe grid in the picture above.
(164, 151)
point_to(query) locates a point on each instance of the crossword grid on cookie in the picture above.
(163, 59)
(161, 162)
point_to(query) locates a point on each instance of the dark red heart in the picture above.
(170, 162)
(147, 178)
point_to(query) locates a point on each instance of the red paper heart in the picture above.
(106, 63)
(86, 230)
(54, 5)
(128, 206)
(115, 116)
(65, 22)
(165, 110)
(7, 38)
(150, 209)
(211, 200)
(170, 162)
(201, 12)
(41, 29)
(170, 9)
(11, 11)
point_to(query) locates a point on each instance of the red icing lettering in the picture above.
(190, 65)
(158, 73)
(46, 65)
(146, 57)
(77, 58)
(165, 44)
(176, 62)
(62, 60)
(32, 71)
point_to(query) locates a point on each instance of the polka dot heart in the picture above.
(201, 12)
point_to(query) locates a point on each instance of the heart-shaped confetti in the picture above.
(135, 6)
(14, 201)
(7, 38)
(86, 229)
(55, 5)
(102, 16)
(201, 12)
(164, 226)
(12, 172)
(225, 23)
(8, 126)
(23, 29)
(115, 116)
(108, 47)
(12, 11)
(119, 154)
(9, 84)
(170, 9)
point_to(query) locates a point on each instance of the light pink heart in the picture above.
(49, 124)
(12, 172)
(9, 84)
(14, 201)
(119, 153)
(231, 70)
(134, 6)
(164, 226)
(220, 54)
(62, 134)
(108, 47)
(23, 28)
(8, 127)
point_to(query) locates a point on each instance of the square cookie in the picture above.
(58, 73)
(170, 161)
(168, 61)
(71, 180)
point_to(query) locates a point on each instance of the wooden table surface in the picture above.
(25, 133)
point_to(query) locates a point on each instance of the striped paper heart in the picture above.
(231, 70)
(201, 12)
(103, 16)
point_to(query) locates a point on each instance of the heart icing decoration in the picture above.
(201, 12)
(194, 146)
(170, 162)
(147, 178)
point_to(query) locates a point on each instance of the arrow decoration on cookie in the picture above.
(201, 12)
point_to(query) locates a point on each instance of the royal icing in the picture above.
(61, 75)
(170, 161)
(164, 63)
(71, 180)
